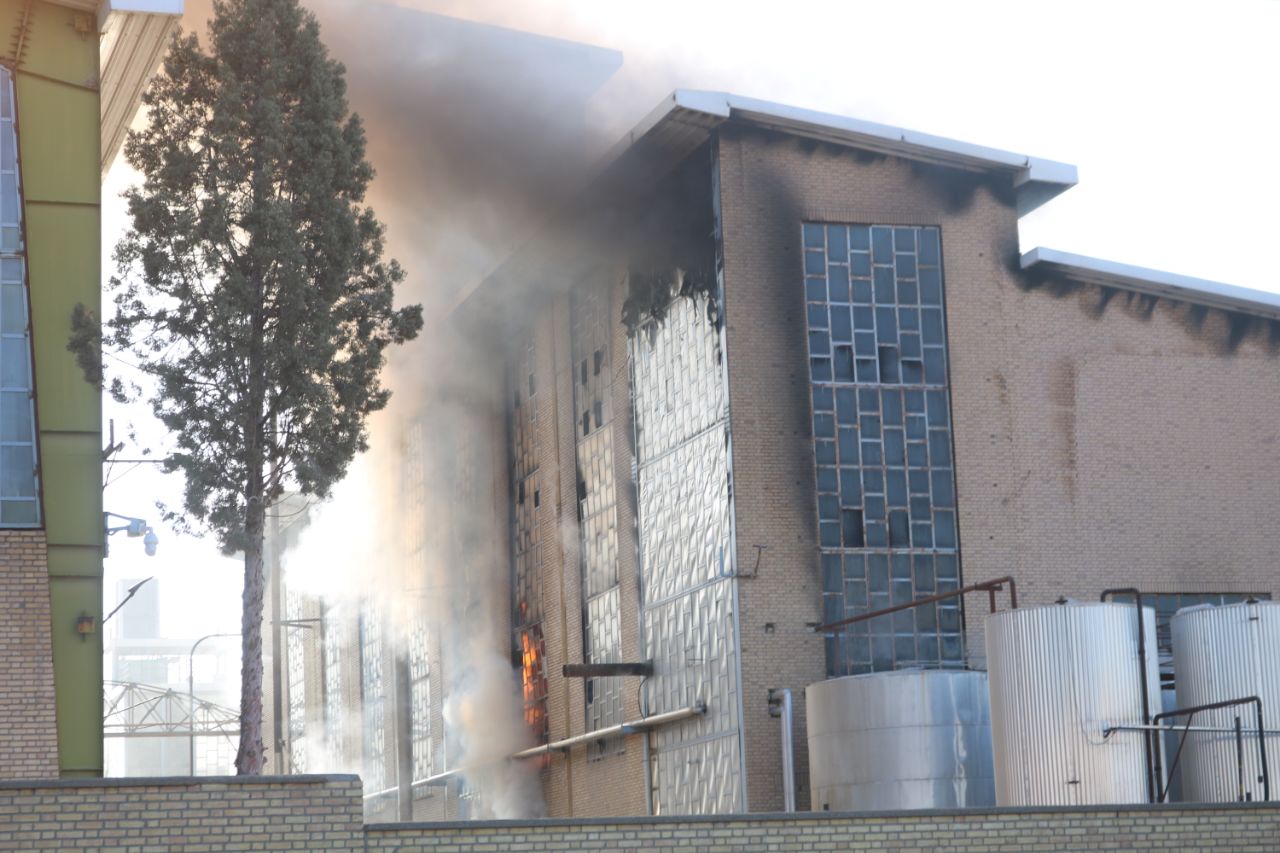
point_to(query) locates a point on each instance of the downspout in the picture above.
(780, 706)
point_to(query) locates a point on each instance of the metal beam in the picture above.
(605, 670)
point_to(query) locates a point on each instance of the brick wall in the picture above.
(300, 813)
(324, 813)
(577, 783)
(1237, 828)
(29, 737)
(1097, 443)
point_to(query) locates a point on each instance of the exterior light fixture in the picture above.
(84, 625)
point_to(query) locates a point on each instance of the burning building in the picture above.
(769, 371)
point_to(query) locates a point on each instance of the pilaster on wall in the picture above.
(29, 735)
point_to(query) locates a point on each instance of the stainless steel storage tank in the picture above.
(912, 739)
(1062, 677)
(1227, 652)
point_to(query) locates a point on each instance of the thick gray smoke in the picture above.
(476, 132)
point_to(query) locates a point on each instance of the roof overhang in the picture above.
(133, 36)
(686, 118)
(1213, 294)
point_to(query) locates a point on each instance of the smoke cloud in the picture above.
(476, 131)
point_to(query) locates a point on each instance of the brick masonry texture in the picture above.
(1241, 830)
(211, 814)
(29, 737)
(1099, 441)
(323, 813)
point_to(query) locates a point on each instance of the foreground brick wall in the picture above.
(323, 813)
(1241, 829)
(268, 813)
(29, 736)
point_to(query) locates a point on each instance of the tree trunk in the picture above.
(250, 759)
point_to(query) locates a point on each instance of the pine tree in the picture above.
(252, 285)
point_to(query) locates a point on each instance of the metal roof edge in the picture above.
(1036, 180)
(1214, 294)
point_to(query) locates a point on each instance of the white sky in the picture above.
(1168, 110)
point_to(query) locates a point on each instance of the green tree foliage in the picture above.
(252, 285)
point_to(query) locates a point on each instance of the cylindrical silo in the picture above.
(912, 739)
(1220, 653)
(1063, 678)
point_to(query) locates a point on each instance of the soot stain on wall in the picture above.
(1225, 330)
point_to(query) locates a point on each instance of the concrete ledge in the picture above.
(177, 781)
(801, 817)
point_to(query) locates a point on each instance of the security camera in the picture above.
(150, 541)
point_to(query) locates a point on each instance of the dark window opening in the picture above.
(851, 528)
(598, 408)
(520, 493)
(599, 362)
(586, 423)
(537, 498)
(531, 386)
(583, 371)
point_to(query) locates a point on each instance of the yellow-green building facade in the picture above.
(71, 75)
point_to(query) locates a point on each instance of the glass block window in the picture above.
(526, 536)
(1168, 603)
(19, 502)
(373, 692)
(533, 681)
(335, 709)
(886, 498)
(591, 336)
(420, 700)
(295, 657)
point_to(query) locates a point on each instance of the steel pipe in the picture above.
(640, 725)
(632, 727)
(788, 753)
(990, 587)
(1153, 781)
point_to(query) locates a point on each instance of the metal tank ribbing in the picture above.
(1226, 652)
(912, 739)
(1061, 678)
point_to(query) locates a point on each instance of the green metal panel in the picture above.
(59, 128)
(77, 667)
(70, 462)
(54, 47)
(63, 259)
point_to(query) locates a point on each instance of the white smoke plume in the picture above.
(476, 132)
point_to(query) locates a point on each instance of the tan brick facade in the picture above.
(29, 737)
(578, 783)
(1094, 448)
